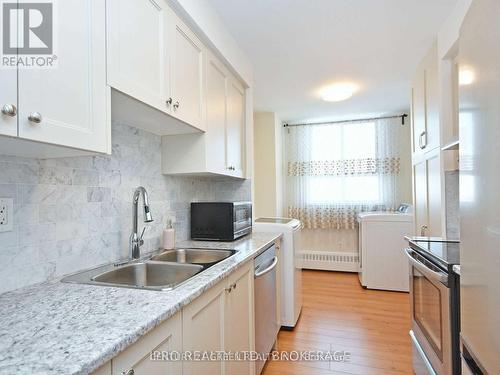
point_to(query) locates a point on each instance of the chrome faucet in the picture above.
(135, 241)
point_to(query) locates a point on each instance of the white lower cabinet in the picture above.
(221, 319)
(428, 194)
(239, 320)
(203, 330)
(136, 360)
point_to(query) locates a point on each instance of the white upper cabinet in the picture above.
(67, 104)
(220, 150)
(425, 104)
(8, 102)
(235, 128)
(187, 74)
(138, 50)
(217, 78)
(157, 60)
(418, 110)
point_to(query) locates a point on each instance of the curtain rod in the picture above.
(403, 116)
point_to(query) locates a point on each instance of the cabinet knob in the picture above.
(169, 101)
(423, 230)
(35, 117)
(231, 288)
(129, 372)
(9, 110)
(176, 105)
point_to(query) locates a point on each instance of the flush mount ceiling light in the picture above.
(338, 92)
(465, 76)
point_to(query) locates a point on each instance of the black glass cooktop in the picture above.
(445, 253)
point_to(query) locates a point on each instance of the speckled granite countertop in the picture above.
(59, 328)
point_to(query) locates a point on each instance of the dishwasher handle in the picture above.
(267, 269)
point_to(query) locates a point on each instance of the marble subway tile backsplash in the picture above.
(75, 213)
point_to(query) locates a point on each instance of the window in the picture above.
(335, 171)
(348, 142)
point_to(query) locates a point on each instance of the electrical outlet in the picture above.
(6, 214)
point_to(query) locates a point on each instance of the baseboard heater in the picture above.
(330, 260)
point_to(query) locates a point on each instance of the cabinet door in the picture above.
(434, 195)
(432, 99)
(144, 357)
(138, 50)
(420, 198)
(239, 320)
(418, 110)
(203, 330)
(187, 74)
(68, 103)
(8, 102)
(235, 127)
(216, 115)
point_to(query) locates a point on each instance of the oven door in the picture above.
(430, 298)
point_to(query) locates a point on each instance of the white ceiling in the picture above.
(296, 46)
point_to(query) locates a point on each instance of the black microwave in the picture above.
(220, 221)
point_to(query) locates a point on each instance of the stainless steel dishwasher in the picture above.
(266, 319)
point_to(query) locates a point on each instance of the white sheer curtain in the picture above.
(335, 171)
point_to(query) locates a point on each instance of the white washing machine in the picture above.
(382, 263)
(291, 273)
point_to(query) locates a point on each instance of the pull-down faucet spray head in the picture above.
(136, 241)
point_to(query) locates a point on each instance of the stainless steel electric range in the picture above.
(435, 305)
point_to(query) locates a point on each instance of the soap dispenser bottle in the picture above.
(169, 237)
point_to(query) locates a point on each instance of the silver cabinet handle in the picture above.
(169, 101)
(9, 110)
(35, 117)
(129, 372)
(176, 105)
(231, 168)
(420, 140)
(423, 230)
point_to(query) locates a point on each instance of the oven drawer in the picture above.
(421, 365)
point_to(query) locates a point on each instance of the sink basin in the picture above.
(141, 275)
(204, 257)
(163, 271)
(149, 274)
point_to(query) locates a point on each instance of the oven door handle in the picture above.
(426, 271)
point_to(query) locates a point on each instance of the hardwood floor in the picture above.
(339, 315)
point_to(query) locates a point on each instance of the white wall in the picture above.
(268, 165)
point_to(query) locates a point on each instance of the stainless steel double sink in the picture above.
(163, 271)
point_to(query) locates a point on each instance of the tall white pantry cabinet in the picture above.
(434, 128)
